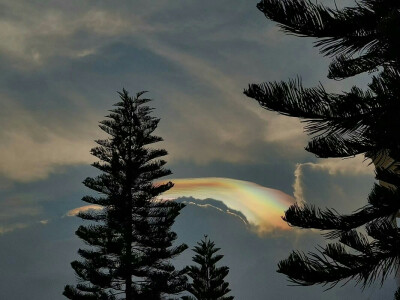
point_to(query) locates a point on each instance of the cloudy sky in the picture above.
(61, 64)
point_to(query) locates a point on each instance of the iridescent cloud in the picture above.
(263, 207)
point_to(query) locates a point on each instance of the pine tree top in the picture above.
(208, 279)
(131, 240)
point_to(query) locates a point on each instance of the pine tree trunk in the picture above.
(128, 290)
(128, 280)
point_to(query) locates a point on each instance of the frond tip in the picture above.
(334, 263)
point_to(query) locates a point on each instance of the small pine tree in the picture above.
(130, 238)
(208, 280)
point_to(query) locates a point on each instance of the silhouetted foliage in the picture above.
(397, 294)
(208, 280)
(130, 237)
(364, 38)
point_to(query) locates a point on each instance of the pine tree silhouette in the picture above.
(130, 239)
(208, 279)
(364, 38)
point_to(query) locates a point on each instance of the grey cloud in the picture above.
(219, 205)
(60, 65)
(343, 192)
(39, 258)
(176, 51)
(33, 32)
(252, 260)
(351, 167)
(31, 203)
(18, 211)
(32, 147)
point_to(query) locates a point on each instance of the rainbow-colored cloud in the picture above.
(263, 207)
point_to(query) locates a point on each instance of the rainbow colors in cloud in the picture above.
(263, 207)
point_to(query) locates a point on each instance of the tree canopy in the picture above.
(208, 280)
(363, 38)
(130, 238)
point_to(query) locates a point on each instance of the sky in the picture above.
(61, 65)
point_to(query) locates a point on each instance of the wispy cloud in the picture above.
(229, 125)
(19, 212)
(208, 59)
(33, 147)
(32, 34)
(12, 227)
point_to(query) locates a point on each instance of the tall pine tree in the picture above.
(363, 38)
(130, 239)
(208, 279)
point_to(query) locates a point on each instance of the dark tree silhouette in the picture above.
(397, 294)
(364, 38)
(208, 279)
(131, 239)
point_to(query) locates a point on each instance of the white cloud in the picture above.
(297, 185)
(334, 166)
(349, 166)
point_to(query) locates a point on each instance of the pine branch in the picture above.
(347, 66)
(325, 113)
(383, 203)
(336, 145)
(333, 264)
(363, 28)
